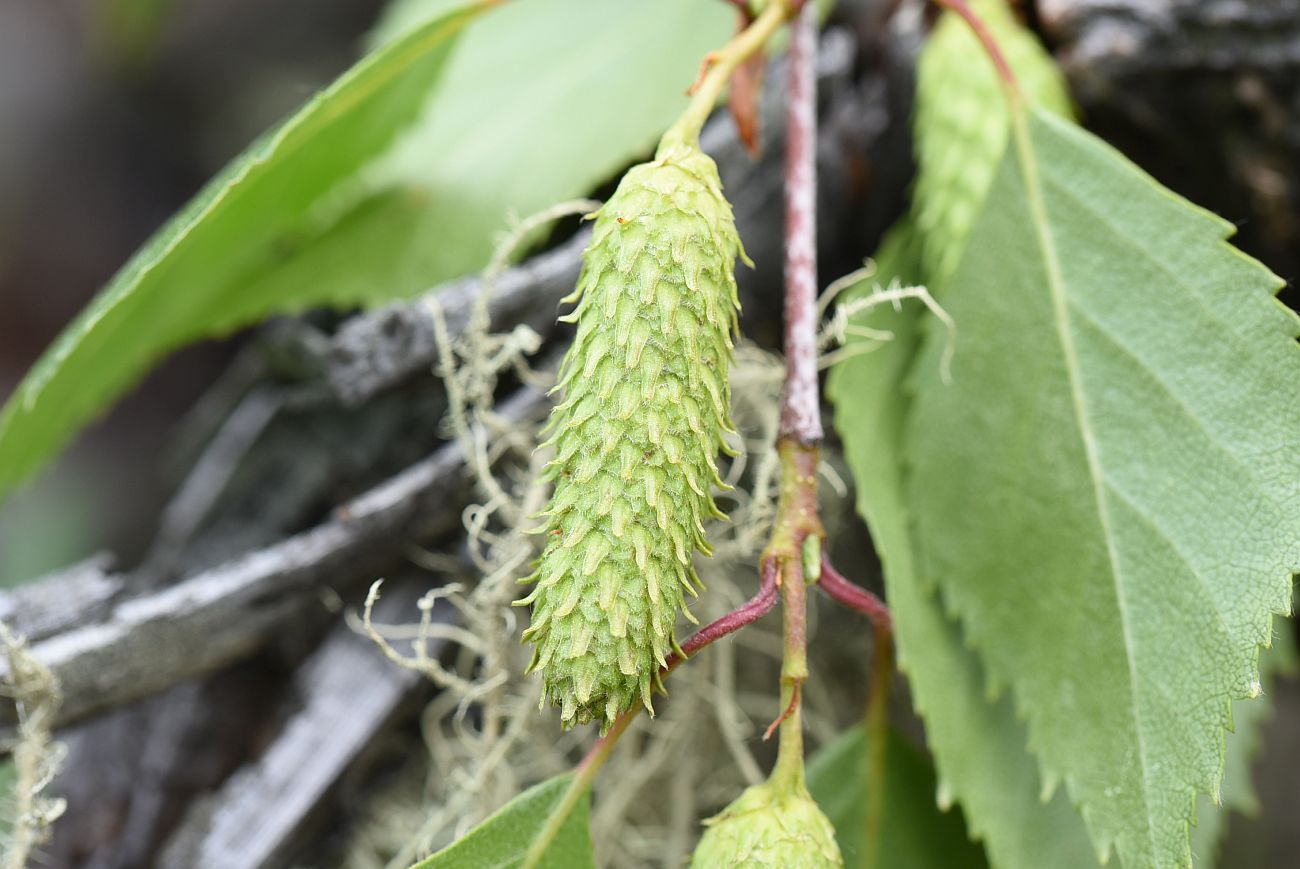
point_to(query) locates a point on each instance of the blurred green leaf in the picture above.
(502, 841)
(195, 276)
(541, 101)
(914, 833)
(961, 123)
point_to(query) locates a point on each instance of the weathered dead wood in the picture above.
(342, 697)
(376, 351)
(207, 621)
(79, 595)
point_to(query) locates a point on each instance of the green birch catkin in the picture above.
(769, 827)
(646, 406)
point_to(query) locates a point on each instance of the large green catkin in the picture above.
(646, 407)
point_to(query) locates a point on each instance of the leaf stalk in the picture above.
(717, 69)
(991, 48)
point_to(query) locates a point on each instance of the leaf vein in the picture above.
(1154, 375)
(1051, 261)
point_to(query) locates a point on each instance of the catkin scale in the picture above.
(646, 408)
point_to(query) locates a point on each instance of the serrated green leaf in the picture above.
(190, 279)
(1106, 492)
(962, 123)
(502, 841)
(1248, 718)
(541, 101)
(914, 833)
(979, 746)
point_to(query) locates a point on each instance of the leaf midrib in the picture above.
(1060, 307)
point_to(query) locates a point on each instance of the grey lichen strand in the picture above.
(645, 411)
(768, 827)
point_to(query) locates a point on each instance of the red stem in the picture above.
(854, 596)
(785, 713)
(758, 606)
(986, 39)
(800, 404)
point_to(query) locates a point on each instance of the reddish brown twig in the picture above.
(800, 432)
(758, 606)
(991, 48)
(801, 400)
(785, 713)
(854, 596)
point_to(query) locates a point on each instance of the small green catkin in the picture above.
(769, 827)
(646, 407)
(963, 121)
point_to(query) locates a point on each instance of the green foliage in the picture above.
(914, 834)
(333, 208)
(542, 101)
(1085, 534)
(979, 745)
(502, 841)
(1248, 718)
(962, 126)
(647, 402)
(769, 826)
(193, 278)
(1115, 423)
(962, 120)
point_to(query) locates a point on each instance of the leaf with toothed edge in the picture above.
(1248, 717)
(962, 125)
(1105, 494)
(978, 744)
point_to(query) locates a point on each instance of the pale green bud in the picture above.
(770, 828)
